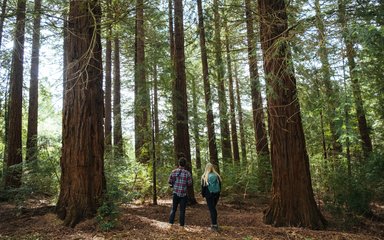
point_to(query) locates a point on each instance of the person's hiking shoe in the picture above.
(215, 228)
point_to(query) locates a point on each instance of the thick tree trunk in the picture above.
(82, 181)
(213, 156)
(182, 144)
(31, 154)
(108, 83)
(235, 142)
(142, 130)
(14, 155)
(330, 94)
(292, 203)
(356, 90)
(261, 139)
(240, 117)
(224, 125)
(117, 129)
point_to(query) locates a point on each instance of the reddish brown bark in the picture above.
(34, 87)
(117, 129)
(82, 182)
(182, 144)
(235, 142)
(14, 148)
(142, 131)
(213, 156)
(292, 203)
(224, 125)
(108, 81)
(240, 117)
(257, 102)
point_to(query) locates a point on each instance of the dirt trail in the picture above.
(145, 221)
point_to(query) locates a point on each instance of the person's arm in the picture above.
(203, 189)
(171, 179)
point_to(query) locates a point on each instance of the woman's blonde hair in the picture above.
(208, 169)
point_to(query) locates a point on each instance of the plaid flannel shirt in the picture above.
(180, 179)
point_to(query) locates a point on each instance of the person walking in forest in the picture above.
(210, 190)
(179, 180)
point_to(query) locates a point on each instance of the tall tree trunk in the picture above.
(261, 139)
(14, 155)
(108, 82)
(224, 125)
(196, 121)
(235, 144)
(5, 137)
(331, 96)
(213, 156)
(257, 104)
(2, 18)
(292, 203)
(65, 47)
(356, 90)
(142, 131)
(182, 145)
(82, 181)
(240, 117)
(347, 126)
(156, 114)
(173, 74)
(31, 154)
(117, 129)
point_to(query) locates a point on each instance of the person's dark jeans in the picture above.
(212, 200)
(183, 204)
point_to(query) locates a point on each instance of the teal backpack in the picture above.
(213, 183)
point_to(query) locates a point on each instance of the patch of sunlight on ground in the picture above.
(167, 226)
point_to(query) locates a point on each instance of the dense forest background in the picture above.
(193, 78)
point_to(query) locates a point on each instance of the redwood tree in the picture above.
(108, 80)
(182, 144)
(257, 104)
(82, 182)
(213, 156)
(293, 202)
(14, 148)
(2, 18)
(224, 125)
(142, 130)
(234, 138)
(117, 128)
(330, 93)
(34, 87)
(366, 141)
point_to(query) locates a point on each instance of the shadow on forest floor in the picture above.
(238, 219)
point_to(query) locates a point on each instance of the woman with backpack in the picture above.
(210, 189)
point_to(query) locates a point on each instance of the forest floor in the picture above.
(238, 219)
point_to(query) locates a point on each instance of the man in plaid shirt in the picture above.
(179, 180)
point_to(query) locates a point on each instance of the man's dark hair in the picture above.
(182, 162)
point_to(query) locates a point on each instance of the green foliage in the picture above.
(344, 192)
(242, 179)
(42, 176)
(108, 213)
